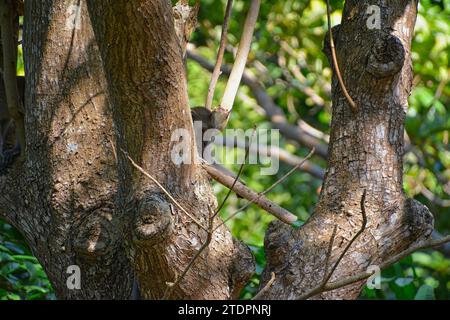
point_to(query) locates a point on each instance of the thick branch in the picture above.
(364, 275)
(147, 86)
(366, 152)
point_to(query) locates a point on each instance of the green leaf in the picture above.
(425, 292)
(5, 257)
(25, 258)
(13, 296)
(401, 282)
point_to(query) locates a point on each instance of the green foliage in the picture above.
(21, 275)
(422, 276)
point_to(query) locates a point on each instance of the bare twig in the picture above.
(266, 287)
(241, 168)
(364, 275)
(243, 191)
(274, 151)
(335, 62)
(241, 57)
(330, 249)
(223, 42)
(145, 173)
(320, 288)
(281, 180)
(113, 146)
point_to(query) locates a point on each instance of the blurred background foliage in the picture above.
(288, 61)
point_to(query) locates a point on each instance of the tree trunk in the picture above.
(64, 193)
(77, 198)
(365, 153)
(144, 65)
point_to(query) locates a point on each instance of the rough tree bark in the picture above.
(365, 153)
(62, 196)
(143, 61)
(79, 201)
(74, 203)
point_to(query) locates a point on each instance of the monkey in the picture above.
(7, 128)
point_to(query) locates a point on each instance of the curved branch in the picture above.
(336, 64)
(364, 275)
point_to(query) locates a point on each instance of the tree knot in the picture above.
(153, 220)
(419, 219)
(95, 234)
(386, 57)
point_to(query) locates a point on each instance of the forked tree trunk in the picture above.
(365, 153)
(77, 198)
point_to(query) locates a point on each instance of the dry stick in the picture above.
(163, 189)
(330, 249)
(241, 57)
(211, 230)
(241, 168)
(335, 62)
(266, 287)
(245, 192)
(217, 68)
(281, 180)
(320, 288)
(113, 146)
